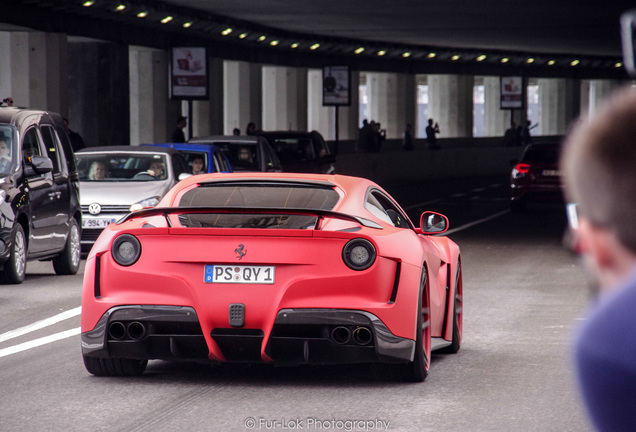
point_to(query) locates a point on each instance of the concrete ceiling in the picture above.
(577, 27)
(567, 28)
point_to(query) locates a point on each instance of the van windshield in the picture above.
(8, 152)
(121, 166)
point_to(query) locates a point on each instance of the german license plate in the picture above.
(96, 222)
(551, 173)
(239, 274)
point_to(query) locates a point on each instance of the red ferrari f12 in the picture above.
(272, 267)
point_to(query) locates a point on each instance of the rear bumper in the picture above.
(536, 191)
(299, 336)
(146, 332)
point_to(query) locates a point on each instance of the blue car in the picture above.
(214, 160)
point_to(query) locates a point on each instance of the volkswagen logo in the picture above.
(94, 209)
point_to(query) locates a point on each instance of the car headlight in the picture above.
(126, 250)
(359, 254)
(145, 203)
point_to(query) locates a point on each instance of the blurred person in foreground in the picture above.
(599, 165)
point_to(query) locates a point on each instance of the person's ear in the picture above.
(601, 244)
(597, 242)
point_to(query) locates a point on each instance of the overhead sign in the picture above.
(511, 92)
(336, 86)
(189, 73)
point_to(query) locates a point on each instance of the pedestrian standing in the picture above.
(177, 135)
(407, 139)
(431, 135)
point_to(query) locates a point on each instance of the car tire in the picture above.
(114, 366)
(457, 315)
(68, 262)
(417, 370)
(14, 269)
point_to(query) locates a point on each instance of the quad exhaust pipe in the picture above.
(341, 335)
(135, 330)
(117, 330)
(360, 335)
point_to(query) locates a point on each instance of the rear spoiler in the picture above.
(166, 211)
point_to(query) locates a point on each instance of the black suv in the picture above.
(40, 214)
(536, 176)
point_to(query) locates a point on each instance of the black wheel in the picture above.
(417, 370)
(15, 267)
(68, 262)
(114, 367)
(458, 314)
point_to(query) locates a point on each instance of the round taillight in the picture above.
(359, 254)
(126, 250)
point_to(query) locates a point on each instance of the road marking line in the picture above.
(477, 222)
(41, 324)
(41, 341)
(422, 204)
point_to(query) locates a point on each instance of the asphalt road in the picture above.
(523, 296)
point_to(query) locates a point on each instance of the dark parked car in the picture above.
(536, 176)
(214, 159)
(245, 153)
(40, 215)
(300, 151)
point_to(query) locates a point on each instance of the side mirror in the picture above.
(433, 223)
(628, 23)
(184, 176)
(37, 165)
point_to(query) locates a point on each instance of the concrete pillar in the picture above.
(598, 91)
(319, 118)
(34, 70)
(392, 101)
(150, 121)
(99, 82)
(496, 120)
(6, 75)
(207, 115)
(15, 67)
(349, 116)
(322, 118)
(284, 98)
(450, 103)
(559, 105)
(243, 96)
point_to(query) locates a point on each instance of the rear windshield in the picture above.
(257, 196)
(544, 155)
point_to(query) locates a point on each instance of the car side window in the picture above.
(52, 147)
(31, 144)
(270, 158)
(381, 206)
(179, 165)
(217, 162)
(220, 162)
